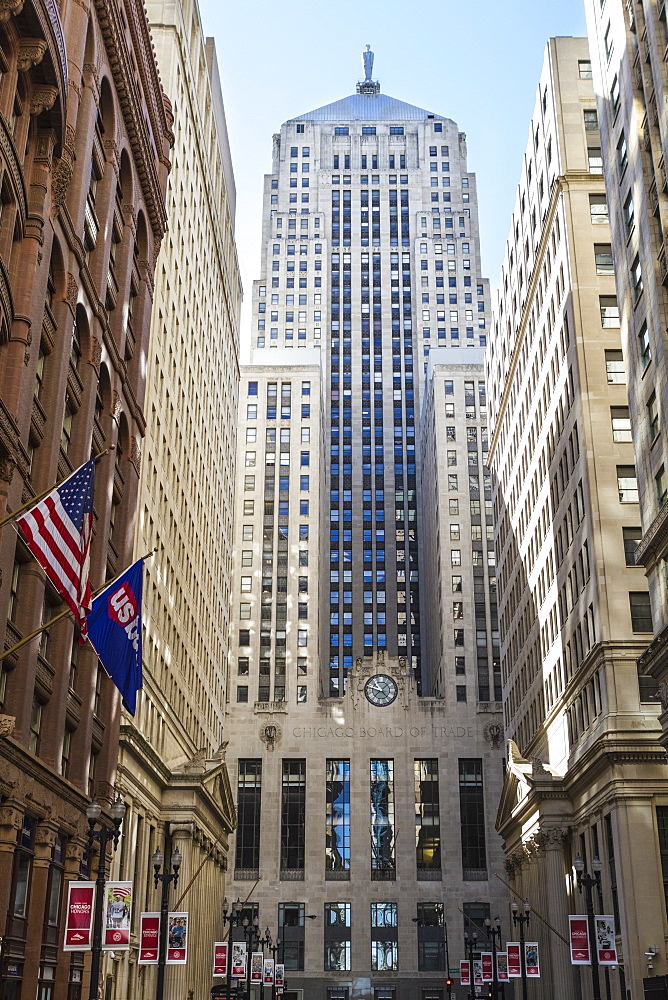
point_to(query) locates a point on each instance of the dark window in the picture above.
(293, 806)
(291, 934)
(249, 798)
(662, 823)
(631, 538)
(427, 817)
(641, 612)
(472, 814)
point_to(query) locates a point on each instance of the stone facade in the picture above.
(372, 819)
(84, 159)
(586, 772)
(172, 771)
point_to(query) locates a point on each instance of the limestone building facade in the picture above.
(172, 772)
(586, 774)
(365, 758)
(84, 161)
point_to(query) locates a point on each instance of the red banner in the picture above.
(268, 973)
(502, 966)
(465, 972)
(220, 958)
(79, 916)
(256, 967)
(579, 937)
(514, 961)
(487, 967)
(531, 959)
(149, 938)
(177, 938)
(117, 911)
(239, 959)
(605, 940)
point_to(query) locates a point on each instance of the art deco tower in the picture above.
(359, 751)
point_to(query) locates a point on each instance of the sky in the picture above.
(477, 63)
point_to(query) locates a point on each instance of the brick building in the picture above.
(84, 157)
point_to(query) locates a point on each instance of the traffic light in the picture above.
(448, 984)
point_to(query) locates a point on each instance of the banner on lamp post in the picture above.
(79, 918)
(177, 938)
(578, 928)
(605, 940)
(465, 972)
(256, 967)
(487, 967)
(239, 959)
(477, 972)
(279, 975)
(531, 959)
(117, 911)
(268, 974)
(149, 938)
(514, 960)
(220, 958)
(502, 967)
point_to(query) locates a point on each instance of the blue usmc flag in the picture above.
(114, 629)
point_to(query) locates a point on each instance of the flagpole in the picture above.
(62, 614)
(40, 496)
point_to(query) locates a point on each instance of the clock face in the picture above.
(380, 690)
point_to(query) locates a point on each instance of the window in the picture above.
(660, 484)
(621, 423)
(627, 484)
(603, 258)
(641, 612)
(614, 367)
(472, 818)
(590, 120)
(427, 815)
(584, 69)
(249, 792)
(598, 208)
(384, 945)
(622, 154)
(242, 694)
(595, 160)
(653, 417)
(636, 278)
(337, 938)
(609, 311)
(644, 346)
(291, 918)
(293, 813)
(631, 538)
(431, 937)
(337, 816)
(382, 818)
(662, 825)
(246, 583)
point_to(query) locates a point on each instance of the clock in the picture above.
(380, 690)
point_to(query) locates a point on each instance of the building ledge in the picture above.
(654, 660)
(655, 538)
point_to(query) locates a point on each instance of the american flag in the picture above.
(58, 532)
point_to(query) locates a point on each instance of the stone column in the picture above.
(553, 893)
(45, 838)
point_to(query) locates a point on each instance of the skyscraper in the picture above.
(360, 755)
(586, 774)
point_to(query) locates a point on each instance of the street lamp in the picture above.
(165, 878)
(252, 935)
(523, 920)
(232, 918)
(494, 931)
(266, 942)
(470, 942)
(589, 882)
(102, 836)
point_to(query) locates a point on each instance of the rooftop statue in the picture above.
(367, 61)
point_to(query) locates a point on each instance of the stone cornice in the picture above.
(131, 102)
(655, 539)
(34, 769)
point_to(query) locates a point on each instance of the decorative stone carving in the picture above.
(61, 175)
(493, 733)
(7, 466)
(71, 292)
(96, 354)
(42, 99)
(538, 769)
(662, 695)
(116, 406)
(30, 52)
(271, 734)
(6, 725)
(221, 752)
(135, 455)
(9, 8)
(551, 838)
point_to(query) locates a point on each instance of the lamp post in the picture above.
(470, 942)
(252, 935)
(233, 918)
(102, 836)
(266, 942)
(165, 878)
(494, 932)
(589, 882)
(523, 920)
